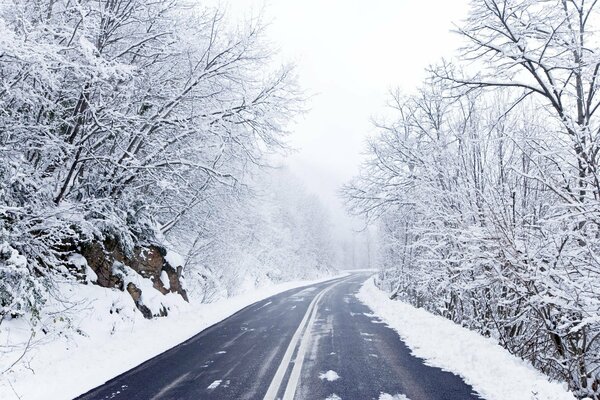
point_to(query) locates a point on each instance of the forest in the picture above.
(485, 186)
(136, 133)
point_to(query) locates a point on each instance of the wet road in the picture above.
(316, 342)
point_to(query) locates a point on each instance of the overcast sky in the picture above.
(350, 53)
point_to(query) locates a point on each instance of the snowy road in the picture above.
(317, 342)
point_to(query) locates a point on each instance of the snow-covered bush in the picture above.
(20, 292)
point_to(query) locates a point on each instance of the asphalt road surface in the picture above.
(316, 342)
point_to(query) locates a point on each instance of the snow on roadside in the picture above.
(492, 371)
(65, 365)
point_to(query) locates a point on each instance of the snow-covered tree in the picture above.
(484, 186)
(119, 117)
(271, 232)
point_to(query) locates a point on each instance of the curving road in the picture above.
(316, 342)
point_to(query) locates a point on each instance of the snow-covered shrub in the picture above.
(21, 292)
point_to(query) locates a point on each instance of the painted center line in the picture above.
(305, 326)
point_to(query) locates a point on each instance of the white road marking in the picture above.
(214, 385)
(290, 389)
(287, 357)
(221, 352)
(292, 385)
(333, 397)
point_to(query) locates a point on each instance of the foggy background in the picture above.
(349, 55)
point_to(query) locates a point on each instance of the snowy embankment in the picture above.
(65, 365)
(492, 371)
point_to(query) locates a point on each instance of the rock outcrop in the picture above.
(149, 262)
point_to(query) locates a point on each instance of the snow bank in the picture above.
(91, 347)
(492, 371)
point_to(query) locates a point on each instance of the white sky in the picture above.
(350, 53)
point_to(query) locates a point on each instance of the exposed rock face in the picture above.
(149, 262)
(175, 280)
(98, 261)
(136, 295)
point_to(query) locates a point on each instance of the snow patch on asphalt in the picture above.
(264, 305)
(167, 388)
(386, 396)
(329, 376)
(214, 385)
(492, 371)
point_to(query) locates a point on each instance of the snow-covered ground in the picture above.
(89, 347)
(492, 371)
